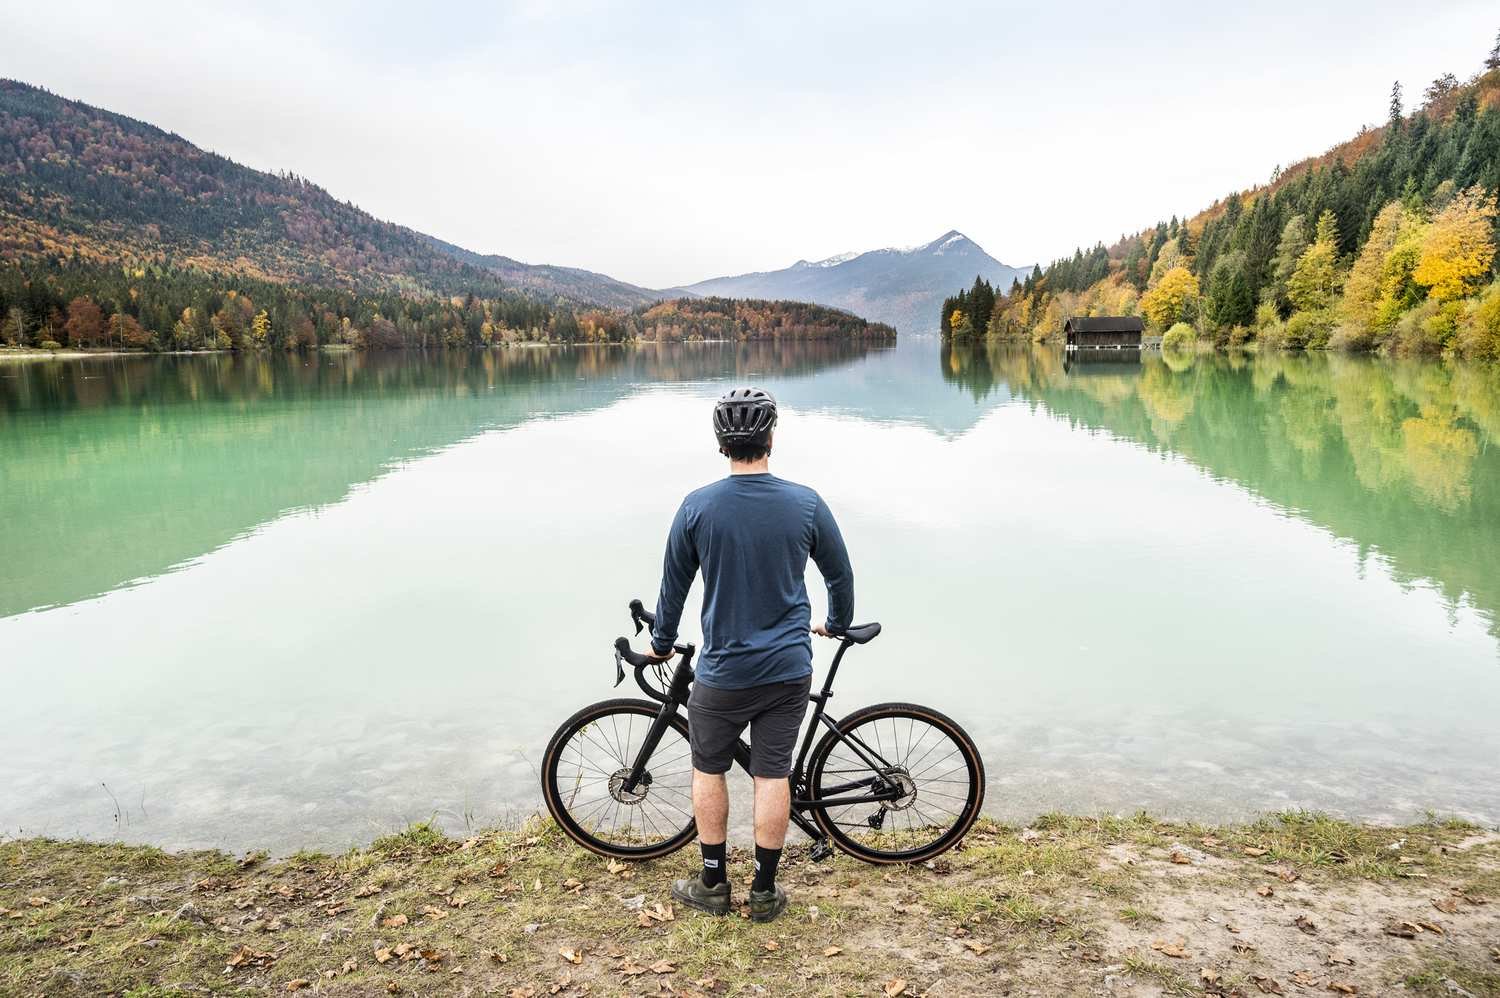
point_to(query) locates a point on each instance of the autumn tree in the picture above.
(1493, 61)
(1458, 247)
(1173, 299)
(1315, 282)
(85, 322)
(13, 330)
(1295, 239)
(1380, 284)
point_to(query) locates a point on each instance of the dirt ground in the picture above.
(1296, 904)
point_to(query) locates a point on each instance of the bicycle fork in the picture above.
(676, 694)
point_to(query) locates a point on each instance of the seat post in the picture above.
(833, 668)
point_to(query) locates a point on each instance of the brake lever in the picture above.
(619, 668)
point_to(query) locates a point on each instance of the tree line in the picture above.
(1386, 242)
(52, 303)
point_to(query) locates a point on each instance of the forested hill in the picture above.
(80, 182)
(1385, 242)
(751, 319)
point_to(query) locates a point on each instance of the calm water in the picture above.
(301, 602)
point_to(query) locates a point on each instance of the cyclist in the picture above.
(750, 534)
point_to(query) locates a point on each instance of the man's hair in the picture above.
(745, 452)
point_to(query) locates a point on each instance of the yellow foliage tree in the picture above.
(1459, 247)
(1315, 282)
(1172, 299)
(260, 327)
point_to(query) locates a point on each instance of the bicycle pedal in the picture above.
(821, 849)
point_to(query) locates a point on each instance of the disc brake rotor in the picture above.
(617, 787)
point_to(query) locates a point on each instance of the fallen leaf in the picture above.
(38, 902)
(297, 984)
(1337, 959)
(1255, 851)
(978, 947)
(498, 870)
(1267, 985)
(615, 866)
(1265, 890)
(1432, 927)
(1304, 978)
(433, 956)
(393, 921)
(1175, 950)
(247, 956)
(1181, 859)
(573, 884)
(383, 955)
(1305, 924)
(571, 955)
(832, 950)
(433, 913)
(1240, 947)
(895, 987)
(537, 884)
(772, 945)
(1447, 905)
(1403, 930)
(1343, 988)
(350, 966)
(664, 967)
(1208, 975)
(494, 955)
(631, 969)
(1229, 927)
(457, 902)
(523, 992)
(1210, 842)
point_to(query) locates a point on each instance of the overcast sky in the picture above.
(664, 143)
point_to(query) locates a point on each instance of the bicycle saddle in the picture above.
(860, 633)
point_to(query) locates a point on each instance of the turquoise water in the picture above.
(296, 602)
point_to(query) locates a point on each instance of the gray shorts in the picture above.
(774, 712)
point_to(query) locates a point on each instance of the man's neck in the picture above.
(760, 467)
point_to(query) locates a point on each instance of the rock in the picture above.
(1454, 988)
(188, 913)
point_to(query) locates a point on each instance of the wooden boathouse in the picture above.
(1103, 332)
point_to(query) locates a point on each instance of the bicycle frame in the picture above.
(679, 693)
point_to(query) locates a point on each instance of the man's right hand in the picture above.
(656, 656)
(823, 632)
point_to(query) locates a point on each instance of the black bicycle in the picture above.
(890, 783)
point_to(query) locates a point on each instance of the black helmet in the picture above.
(745, 416)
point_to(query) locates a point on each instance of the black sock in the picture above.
(766, 861)
(713, 864)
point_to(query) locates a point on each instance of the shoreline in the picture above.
(1298, 903)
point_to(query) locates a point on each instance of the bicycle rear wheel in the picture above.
(929, 758)
(583, 774)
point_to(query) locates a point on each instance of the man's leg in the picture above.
(773, 806)
(711, 809)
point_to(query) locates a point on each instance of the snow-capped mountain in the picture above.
(903, 287)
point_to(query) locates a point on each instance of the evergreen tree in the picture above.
(1397, 111)
(1493, 62)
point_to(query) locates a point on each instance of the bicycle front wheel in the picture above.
(584, 772)
(926, 756)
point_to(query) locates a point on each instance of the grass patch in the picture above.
(1433, 980)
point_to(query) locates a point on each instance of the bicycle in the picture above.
(889, 783)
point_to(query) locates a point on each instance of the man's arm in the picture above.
(679, 566)
(832, 559)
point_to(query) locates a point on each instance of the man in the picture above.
(751, 534)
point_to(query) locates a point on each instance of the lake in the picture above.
(302, 601)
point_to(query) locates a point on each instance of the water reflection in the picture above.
(1393, 455)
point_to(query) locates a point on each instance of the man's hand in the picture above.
(823, 632)
(656, 656)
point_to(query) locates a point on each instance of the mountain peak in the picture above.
(950, 240)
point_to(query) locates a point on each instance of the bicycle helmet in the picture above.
(745, 417)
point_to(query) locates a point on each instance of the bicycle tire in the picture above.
(964, 746)
(552, 792)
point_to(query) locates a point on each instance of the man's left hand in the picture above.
(823, 632)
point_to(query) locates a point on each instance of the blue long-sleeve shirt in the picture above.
(752, 535)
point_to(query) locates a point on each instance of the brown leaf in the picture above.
(1210, 842)
(1175, 950)
(247, 956)
(1208, 975)
(573, 884)
(1432, 927)
(832, 950)
(571, 955)
(772, 945)
(1305, 924)
(1255, 851)
(895, 987)
(494, 955)
(1343, 988)
(1265, 890)
(1403, 930)
(457, 902)
(1304, 978)
(1267, 985)
(38, 902)
(979, 948)
(298, 983)
(498, 870)
(664, 967)
(433, 956)
(383, 955)
(631, 969)
(433, 912)
(1180, 859)
(1337, 959)
(393, 921)
(1240, 947)
(523, 992)
(1446, 905)
(615, 866)
(350, 966)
